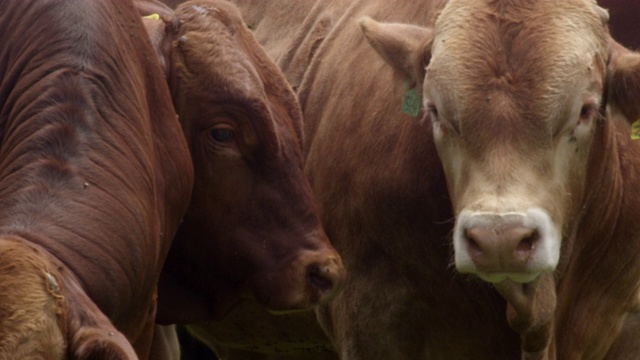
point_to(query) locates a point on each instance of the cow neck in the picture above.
(583, 277)
(532, 309)
(603, 197)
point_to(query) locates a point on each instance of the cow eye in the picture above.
(586, 111)
(223, 135)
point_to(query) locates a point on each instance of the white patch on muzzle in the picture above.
(545, 252)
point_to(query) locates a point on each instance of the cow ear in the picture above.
(407, 48)
(158, 31)
(623, 82)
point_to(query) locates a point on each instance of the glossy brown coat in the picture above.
(95, 176)
(252, 234)
(385, 206)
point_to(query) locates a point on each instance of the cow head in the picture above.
(44, 312)
(252, 226)
(515, 92)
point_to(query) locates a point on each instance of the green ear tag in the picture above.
(635, 130)
(411, 102)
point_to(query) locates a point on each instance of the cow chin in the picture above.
(520, 278)
(515, 246)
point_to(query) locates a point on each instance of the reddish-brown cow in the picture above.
(504, 77)
(252, 229)
(94, 177)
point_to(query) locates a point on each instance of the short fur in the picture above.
(385, 203)
(94, 171)
(252, 236)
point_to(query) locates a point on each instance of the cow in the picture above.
(535, 130)
(95, 176)
(624, 23)
(252, 236)
(516, 167)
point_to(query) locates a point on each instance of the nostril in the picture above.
(472, 245)
(319, 280)
(528, 243)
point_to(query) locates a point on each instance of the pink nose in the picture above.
(504, 249)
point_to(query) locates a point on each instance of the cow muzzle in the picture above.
(325, 278)
(313, 278)
(499, 246)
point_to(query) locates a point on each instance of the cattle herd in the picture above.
(320, 179)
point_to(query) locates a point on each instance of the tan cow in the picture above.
(529, 104)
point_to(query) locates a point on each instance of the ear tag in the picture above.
(635, 130)
(411, 102)
(152, 17)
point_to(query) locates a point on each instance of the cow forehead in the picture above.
(214, 55)
(538, 51)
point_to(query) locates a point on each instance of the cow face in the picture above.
(252, 227)
(513, 91)
(513, 107)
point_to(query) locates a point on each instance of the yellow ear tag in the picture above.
(635, 130)
(152, 17)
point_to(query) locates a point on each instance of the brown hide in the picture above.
(384, 206)
(95, 176)
(383, 198)
(252, 229)
(588, 307)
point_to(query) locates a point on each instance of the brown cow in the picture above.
(252, 232)
(624, 23)
(507, 78)
(94, 177)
